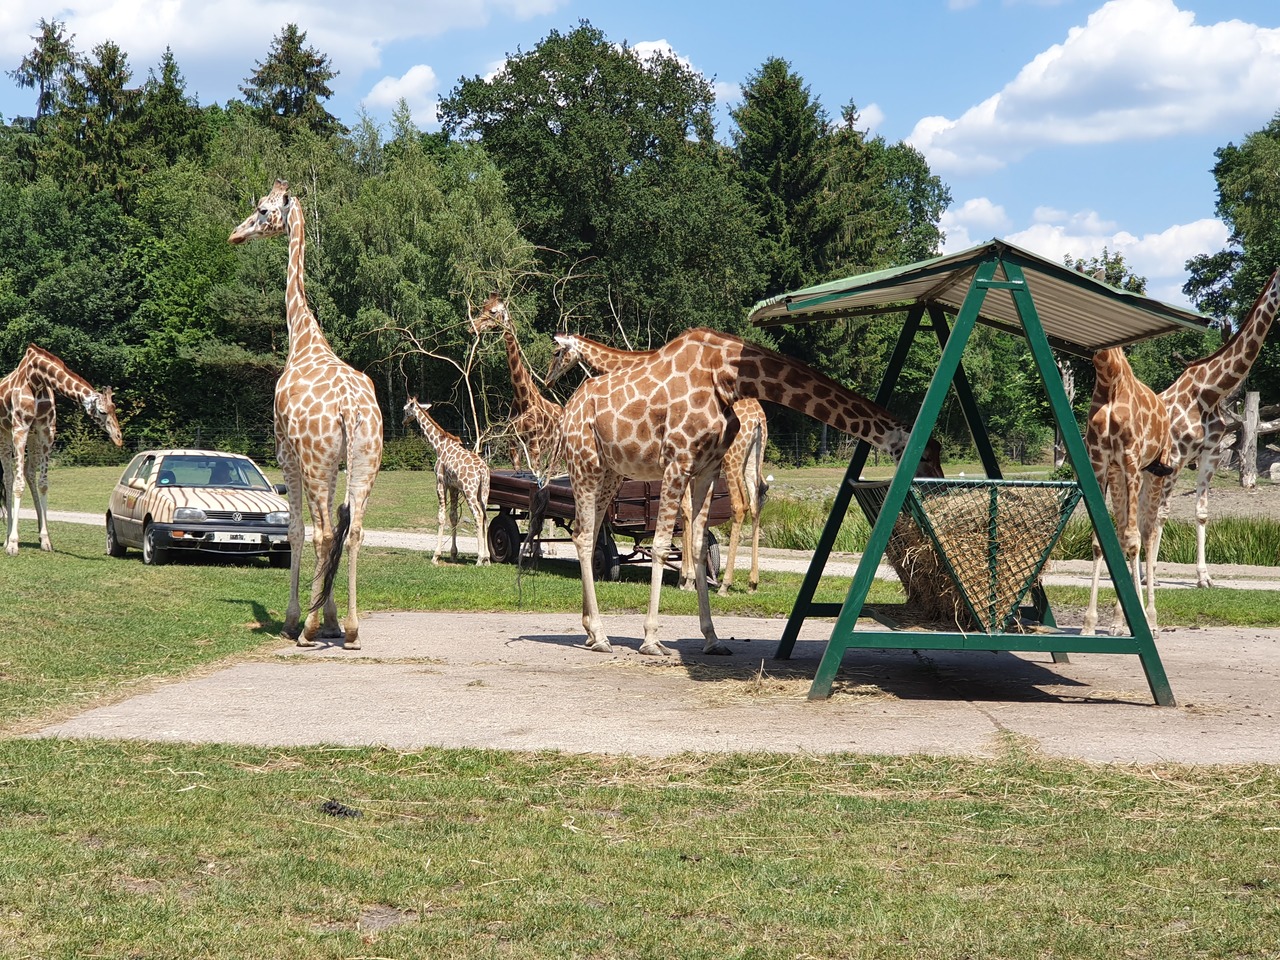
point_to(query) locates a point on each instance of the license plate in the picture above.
(235, 536)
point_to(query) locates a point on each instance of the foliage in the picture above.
(289, 87)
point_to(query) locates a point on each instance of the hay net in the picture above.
(969, 551)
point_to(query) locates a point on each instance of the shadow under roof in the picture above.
(1080, 315)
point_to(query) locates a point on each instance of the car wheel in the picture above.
(114, 547)
(152, 555)
(713, 558)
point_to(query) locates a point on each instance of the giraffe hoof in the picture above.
(717, 649)
(654, 649)
(600, 646)
(351, 643)
(301, 641)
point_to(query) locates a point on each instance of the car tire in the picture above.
(712, 568)
(280, 558)
(114, 547)
(607, 565)
(152, 555)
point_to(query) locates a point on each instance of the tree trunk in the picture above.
(1249, 442)
(1069, 386)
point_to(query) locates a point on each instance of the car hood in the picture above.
(228, 499)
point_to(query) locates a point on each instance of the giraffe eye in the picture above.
(262, 211)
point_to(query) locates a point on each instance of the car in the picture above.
(202, 501)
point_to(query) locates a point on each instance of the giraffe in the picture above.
(742, 467)
(325, 411)
(28, 416)
(1197, 421)
(670, 417)
(535, 420)
(459, 471)
(1127, 437)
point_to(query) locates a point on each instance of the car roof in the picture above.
(186, 452)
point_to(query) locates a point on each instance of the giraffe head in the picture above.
(493, 313)
(102, 408)
(567, 356)
(270, 219)
(411, 408)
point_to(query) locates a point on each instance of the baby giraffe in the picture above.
(1128, 442)
(459, 471)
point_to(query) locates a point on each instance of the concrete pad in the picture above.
(525, 681)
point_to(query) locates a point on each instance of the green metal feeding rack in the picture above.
(967, 529)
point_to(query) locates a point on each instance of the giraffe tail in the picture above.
(328, 572)
(1158, 469)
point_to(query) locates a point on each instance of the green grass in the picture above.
(133, 850)
(120, 849)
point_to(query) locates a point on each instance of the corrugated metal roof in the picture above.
(1079, 314)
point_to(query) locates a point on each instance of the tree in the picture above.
(1226, 284)
(779, 146)
(171, 122)
(289, 87)
(46, 68)
(612, 163)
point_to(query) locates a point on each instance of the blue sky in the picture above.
(1060, 125)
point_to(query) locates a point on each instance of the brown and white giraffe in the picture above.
(1127, 438)
(535, 420)
(671, 418)
(27, 427)
(459, 473)
(1197, 421)
(743, 465)
(325, 412)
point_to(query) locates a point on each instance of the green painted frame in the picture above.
(950, 374)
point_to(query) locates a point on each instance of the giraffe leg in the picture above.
(688, 563)
(478, 510)
(701, 494)
(589, 514)
(738, 504)
(442, 509)
(14, 478)
(39, 445)
(1149, 529)
(297, 543)
(11, 515)
(454, 513)
(359, 483)
(1203, 479)
(329, 628)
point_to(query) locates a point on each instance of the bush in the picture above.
(407, 453)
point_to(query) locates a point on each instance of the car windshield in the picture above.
(202, 471)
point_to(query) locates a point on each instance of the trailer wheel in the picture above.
(605, 563)
(713, 558)
(504, 538)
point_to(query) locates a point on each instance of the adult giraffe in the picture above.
(1127, 438)
(1197, 422)
(325, 412)
(535, 420)
(742, 468)
(28, 416)
(670, 417)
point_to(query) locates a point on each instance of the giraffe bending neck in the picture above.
(47, 369)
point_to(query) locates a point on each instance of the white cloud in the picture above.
(1138, 69)
(870, 117)
(974, 222)
(206, 36)
(417, 87)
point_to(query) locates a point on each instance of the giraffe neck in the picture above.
(440, 438)
(1222, 372)
(766, 375)
(606, 359)
(304, 330)
(527, 397)
(44, 369)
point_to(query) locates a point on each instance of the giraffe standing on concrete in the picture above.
(671, 417)
(1127, 438)
(1197, 421)
(325, 411)
(459, 472)
(535, 420)
(28, 418)
(742, 468)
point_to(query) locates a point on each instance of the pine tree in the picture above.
(288, 89)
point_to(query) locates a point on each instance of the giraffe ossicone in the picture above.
(325, 411)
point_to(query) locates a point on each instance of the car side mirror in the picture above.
(282, 489)
(138, 482)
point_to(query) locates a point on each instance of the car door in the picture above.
(127, 500)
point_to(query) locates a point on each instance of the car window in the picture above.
(131, 471)
(190, 470)
(144, 469)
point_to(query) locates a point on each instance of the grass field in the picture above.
(112, 849)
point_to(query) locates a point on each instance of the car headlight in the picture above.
(189, 515)
(280, 517)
